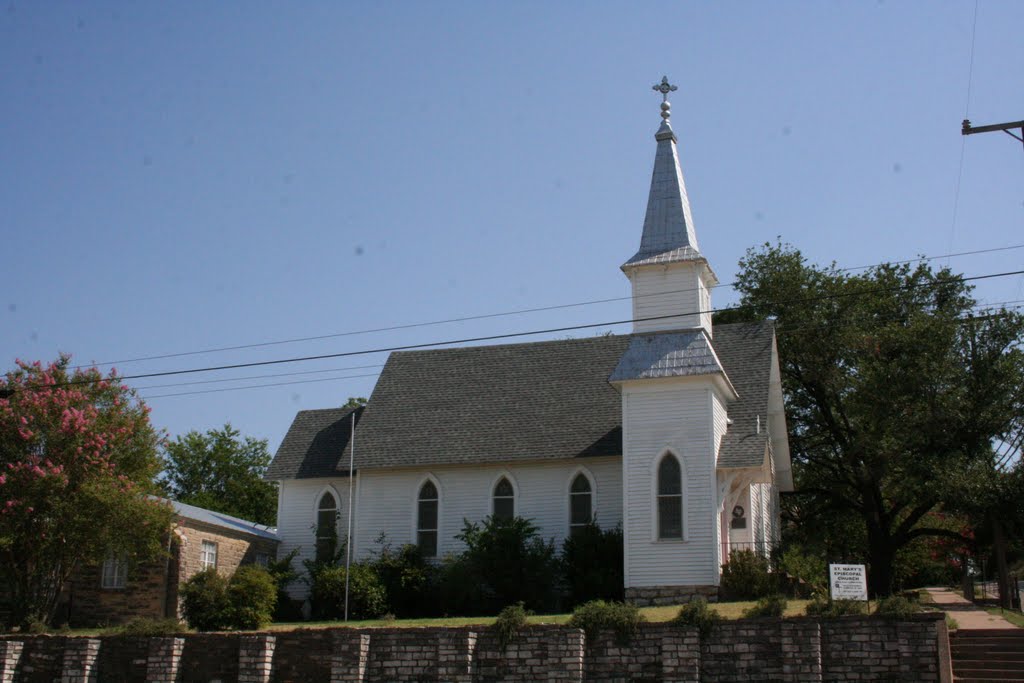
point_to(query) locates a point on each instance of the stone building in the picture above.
(116, 591)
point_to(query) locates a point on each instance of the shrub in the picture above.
(809, 571)
(505, 562)
(367, 599)
(768, 606)
(283, 573)
(212, 602)
(592, 564)
(747, 576)
(597, 615)
(510, 621)
(205, 601)
(148, 628)
(252, 595)
(698, 615)
(408, 580)
(826, 607)
(897, 607)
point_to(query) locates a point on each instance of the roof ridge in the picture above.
(521, 344)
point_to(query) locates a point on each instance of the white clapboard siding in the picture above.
(667, 291)
(386, 501)
(387, 498)
(657, 418)
(298, 501)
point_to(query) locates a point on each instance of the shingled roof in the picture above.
(313, 445)
(513, 402)
(504, 403)
(746, 352)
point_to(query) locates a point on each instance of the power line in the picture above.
(484, 316)
(790, 329)
(242, 379)
(513, 335)
(257, 386)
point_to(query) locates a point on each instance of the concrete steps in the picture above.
(988, 655)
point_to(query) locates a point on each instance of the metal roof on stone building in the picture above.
(219, 519)
(515, 403)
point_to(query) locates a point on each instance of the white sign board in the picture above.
(848, 581)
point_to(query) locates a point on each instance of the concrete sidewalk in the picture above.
(968, 617)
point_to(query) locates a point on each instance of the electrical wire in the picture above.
(484, 316)
(513, 335)
(808, 328)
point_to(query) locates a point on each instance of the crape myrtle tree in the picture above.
(77, 461)
(219, 470)
(894, 383)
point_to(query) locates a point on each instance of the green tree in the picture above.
(989, 494)
(355, 402)
(221, 471)
(892, 382)
(78, 458)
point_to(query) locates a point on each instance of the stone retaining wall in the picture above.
(803, 650)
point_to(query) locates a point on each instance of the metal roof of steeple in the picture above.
(668, 235)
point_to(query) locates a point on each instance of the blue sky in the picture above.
(185, 176)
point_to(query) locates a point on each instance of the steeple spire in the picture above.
(668, 235)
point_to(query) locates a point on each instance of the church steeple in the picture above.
(669, 274)
(668, 234)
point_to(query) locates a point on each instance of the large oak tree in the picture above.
(894, 382)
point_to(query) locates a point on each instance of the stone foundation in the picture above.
(648, 596)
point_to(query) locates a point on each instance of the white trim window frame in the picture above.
(428, 505)
(208, 555)
(575, 494)
(114, 574)
(669, 496)
(506, 497)
(325, 524)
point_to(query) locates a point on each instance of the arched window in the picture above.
(670, 498)
(426, 519)
(326, 527)
(504, 499)
(581, 507)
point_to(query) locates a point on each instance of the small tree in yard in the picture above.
(77, 461)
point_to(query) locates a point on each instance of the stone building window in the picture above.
(581, 508)
(670, 498)
(504, 499)
(115, 572)
(208, 555)
(426, 519)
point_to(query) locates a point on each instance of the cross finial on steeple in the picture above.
(665, 88)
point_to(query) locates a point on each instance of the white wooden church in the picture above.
(676, 432)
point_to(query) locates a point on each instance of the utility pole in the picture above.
(968, 129)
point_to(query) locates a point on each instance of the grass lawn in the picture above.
(729, 610)
(1015, 618)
